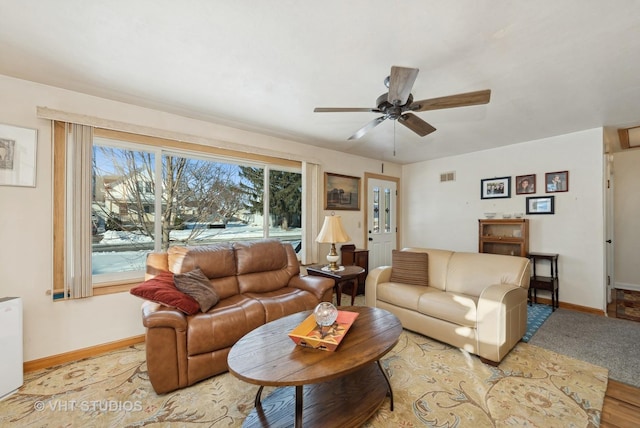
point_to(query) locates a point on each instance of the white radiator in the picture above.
(10, 345)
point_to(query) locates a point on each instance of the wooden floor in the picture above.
(621, 402)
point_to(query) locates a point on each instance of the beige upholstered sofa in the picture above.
(476, 302)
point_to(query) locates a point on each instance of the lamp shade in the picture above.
(332, 231)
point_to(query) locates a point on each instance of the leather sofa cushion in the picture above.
(265, 266)
(252, 256)
(223, 325)
(409, 268)
(216, 261)
(455, 308)
(285, 301)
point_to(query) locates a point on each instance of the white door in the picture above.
(381, 221)
(609, 231)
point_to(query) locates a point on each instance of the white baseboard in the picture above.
(624, 286)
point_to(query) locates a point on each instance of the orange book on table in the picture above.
(308, 333)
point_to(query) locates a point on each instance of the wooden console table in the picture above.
(351, 255)
(341, 277)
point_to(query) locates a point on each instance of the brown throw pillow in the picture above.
(161, 289)
(409, 268)
(197, 285)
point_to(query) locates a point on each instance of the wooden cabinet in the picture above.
(504, 236)
(544, 282)
(358, 257)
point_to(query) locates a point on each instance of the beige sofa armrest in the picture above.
(502, 320)
(377, 276)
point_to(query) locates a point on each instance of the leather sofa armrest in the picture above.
(316, 285)
(377, 276)
(156, 315)
(166, 347)
(502, 319)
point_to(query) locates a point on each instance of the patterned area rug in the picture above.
(537, 314)
(434, 385)
(628, 304)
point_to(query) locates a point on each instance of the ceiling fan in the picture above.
(398, 104)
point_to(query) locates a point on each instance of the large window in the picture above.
(147, 194)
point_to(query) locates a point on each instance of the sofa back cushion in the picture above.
(217, 262)
(438, 265)
(265, 265)
(470, 273)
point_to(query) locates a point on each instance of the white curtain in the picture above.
(310, 197)
(79, 147)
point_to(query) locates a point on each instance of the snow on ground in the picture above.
(122, 254)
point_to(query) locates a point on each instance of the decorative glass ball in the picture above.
(325, 314)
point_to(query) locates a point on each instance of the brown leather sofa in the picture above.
(476, 302)
(257, 282)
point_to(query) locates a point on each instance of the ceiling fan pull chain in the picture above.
(394, 138)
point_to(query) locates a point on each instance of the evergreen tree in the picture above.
(285, 194)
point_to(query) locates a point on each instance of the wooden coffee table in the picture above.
(318, 388)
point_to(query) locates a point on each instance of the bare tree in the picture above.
(198, 191)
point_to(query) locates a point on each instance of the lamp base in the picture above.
(333, 258)
(327, 268)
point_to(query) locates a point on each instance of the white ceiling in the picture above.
(553, 67)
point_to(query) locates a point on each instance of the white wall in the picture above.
(445, 215)
(26, 232)
(626, 176)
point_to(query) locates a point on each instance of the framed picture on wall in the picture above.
(540, 205)
(17, 156)
(557, 181)
(493, 188)
(525, 184)
(341, 192)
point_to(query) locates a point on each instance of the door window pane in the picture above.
(376, 210)
(387, 210)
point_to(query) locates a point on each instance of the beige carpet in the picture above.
(434, 385)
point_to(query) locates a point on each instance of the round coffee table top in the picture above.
(267, 356)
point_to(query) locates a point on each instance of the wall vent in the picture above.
(447, 176)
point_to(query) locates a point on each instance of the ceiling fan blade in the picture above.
(344, 109)
(368, 127)
(416, 124)
(459, 100)
(401, 81)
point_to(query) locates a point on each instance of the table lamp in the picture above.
(332, 232)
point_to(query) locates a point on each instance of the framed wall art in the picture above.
(557, 181)
(342, 192)
(493, 188)
(17, 156)
(540, 205)
(525, 184)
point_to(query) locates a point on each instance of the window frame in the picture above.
(156, 144)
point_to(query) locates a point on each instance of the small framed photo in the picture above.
(557, 181)
(17, 156)
(493, 188)
(540, 205)
(525, 184)
(342, 192)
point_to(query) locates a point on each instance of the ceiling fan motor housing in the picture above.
(392, 111)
